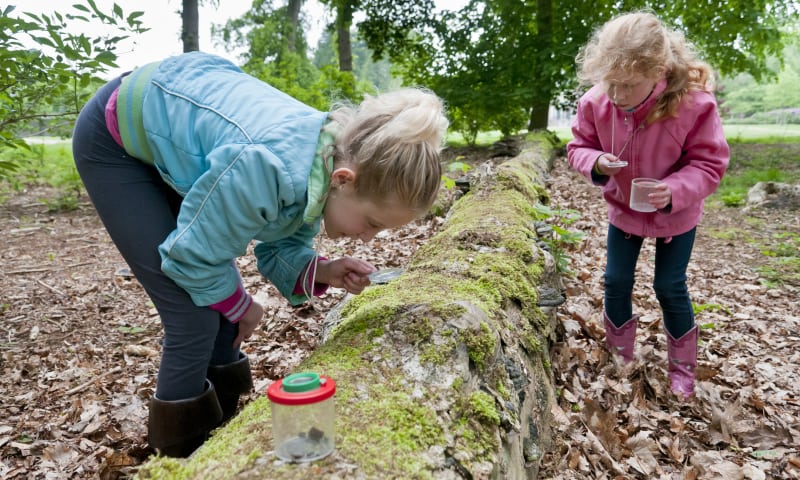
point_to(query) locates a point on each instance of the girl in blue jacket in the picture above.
(189, 159)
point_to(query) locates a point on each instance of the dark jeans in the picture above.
(669, 283)
(139, 210)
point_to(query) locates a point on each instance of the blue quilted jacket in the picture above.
(246, 159)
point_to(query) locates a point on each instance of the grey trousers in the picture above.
(139, 210)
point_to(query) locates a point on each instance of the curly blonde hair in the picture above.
(393, 141)
(638, 43)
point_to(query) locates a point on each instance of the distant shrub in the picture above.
(784, 116)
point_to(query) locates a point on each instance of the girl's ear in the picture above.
(342, 176)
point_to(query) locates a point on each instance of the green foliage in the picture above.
(755, 162)
(562, 238)
(454, 167)
(52, 80)
(263, 32)
(500, 63)
(486, 87)
(372, 75)
(710, 307)
(391, 25)
(726, 37)
(783, 252)
(733, 199)
(43, 164)
(745, 100)
(61, 203)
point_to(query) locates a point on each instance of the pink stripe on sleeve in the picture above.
(234, 307)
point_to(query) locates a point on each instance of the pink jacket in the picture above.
(688, 152)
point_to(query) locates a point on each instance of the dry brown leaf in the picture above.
(141, 351)
(642, 447)
(676, 453)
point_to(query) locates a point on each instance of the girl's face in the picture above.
(348, 215)
(630, 92)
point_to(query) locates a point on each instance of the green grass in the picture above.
(757, 162)
(766, 134)
(762, 133)
(44, 164)
(455, 139)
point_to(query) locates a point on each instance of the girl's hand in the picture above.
(347, 272)
(608, 164)
(661, 196)
(248, 323)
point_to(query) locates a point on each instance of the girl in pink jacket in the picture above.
(651, 113)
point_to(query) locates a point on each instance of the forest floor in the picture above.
(79, 348)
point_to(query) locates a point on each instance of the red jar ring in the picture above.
(277, 394)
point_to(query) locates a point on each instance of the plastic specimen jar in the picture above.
(302, 416)
(641, 188)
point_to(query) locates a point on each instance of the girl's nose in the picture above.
(368, 235)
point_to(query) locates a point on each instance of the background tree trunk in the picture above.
(344, 20)
(190, 29)
(542, 77)
(293, 13)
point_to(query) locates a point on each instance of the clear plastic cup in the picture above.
(640, 189)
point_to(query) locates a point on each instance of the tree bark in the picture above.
(190, 29)
(344, 20)
(293, 14)
(540, 107)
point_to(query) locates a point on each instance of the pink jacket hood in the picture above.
(688, 152)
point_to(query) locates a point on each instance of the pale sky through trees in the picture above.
(164, 21)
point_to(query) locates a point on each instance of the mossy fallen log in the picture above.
(442, 373)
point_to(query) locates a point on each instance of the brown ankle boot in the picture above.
(230, 381)
(176, 428)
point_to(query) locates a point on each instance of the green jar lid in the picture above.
(301, 382)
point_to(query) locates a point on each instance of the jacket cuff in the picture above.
(317, 288)
(234, 307)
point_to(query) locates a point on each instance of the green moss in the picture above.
(457, 384)
(531, 343)
(391, 422)
(503, 390)
(475, 428)
(437, 354)
(488, 244)
(482, 405)
(419, 329)
(480, 344)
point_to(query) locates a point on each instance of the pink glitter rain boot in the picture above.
(620, 340)
(682, 354)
